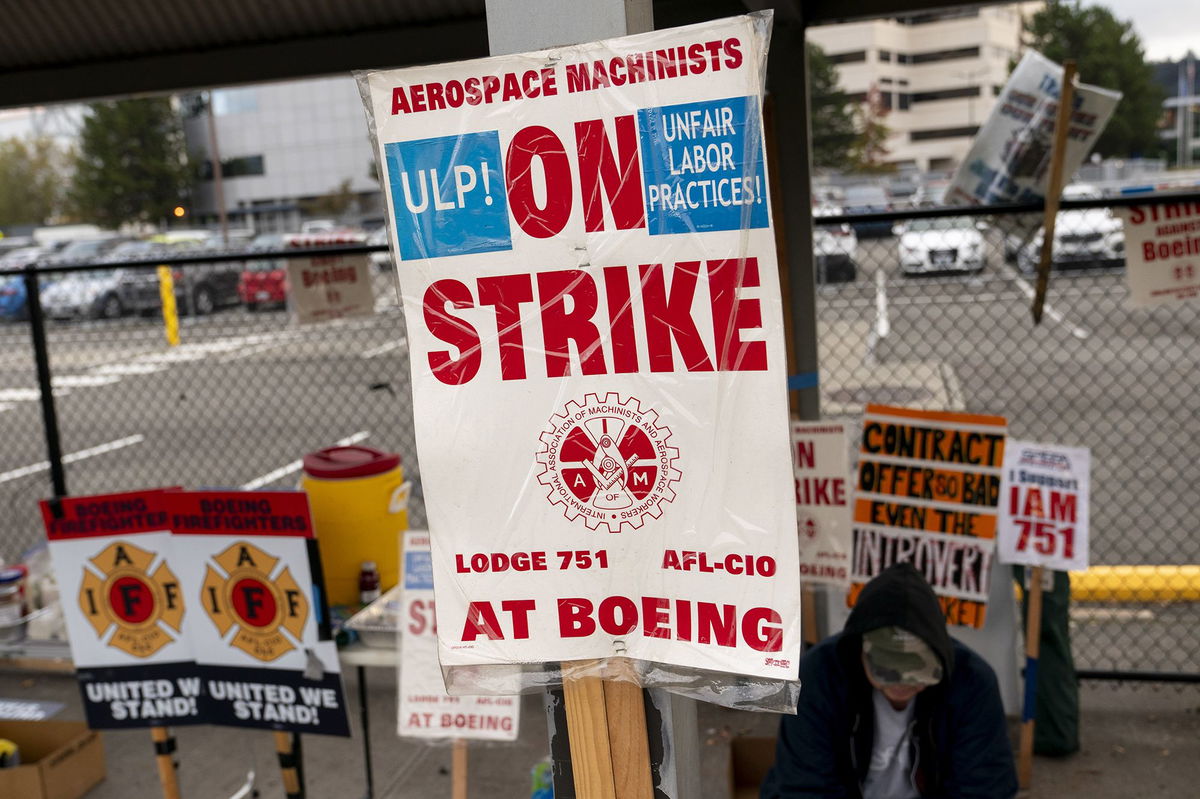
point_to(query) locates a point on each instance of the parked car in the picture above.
(86, 250)
(1083, 238)
(13, 298)
(199, 289)
(381, 260)
(869, 200)
(835, 249)
(85, 295)
(941, 244)
(264, 283)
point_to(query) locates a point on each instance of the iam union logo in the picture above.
(608, 461)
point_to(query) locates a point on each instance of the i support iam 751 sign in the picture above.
(1044, 506)
(589, 280)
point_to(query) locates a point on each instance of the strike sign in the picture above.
(927, 491)
(1044, 506)
(426, 710)
(822, 466)
(588, 273)
(1162, 252)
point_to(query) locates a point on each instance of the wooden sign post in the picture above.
(1033, 635)
(458, 769)
(164, 756)
(606, 722)
(1062, 124)
(288, 770)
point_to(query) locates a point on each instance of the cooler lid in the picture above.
(341, 463)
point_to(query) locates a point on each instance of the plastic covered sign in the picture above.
(588, 274)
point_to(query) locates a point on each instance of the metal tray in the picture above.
(378, 623)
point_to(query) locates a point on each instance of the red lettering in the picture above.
(733, 53)
(418, 97)
(622, 182)
(491, 85)
(512, 89)
(506, 293)
(451, 329)
(538, 142)
(437, 100)
(609, 609)
(1062, 507)
(620, 317)
(481, 620)
(757, 633)
(716, 624)
(575, 618)
(560, 326)
(731, 315)
(654, 616)
(519, 610)
(670, 318)
(399, 101)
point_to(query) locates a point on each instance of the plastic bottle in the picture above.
(12, 603)
(368, 582)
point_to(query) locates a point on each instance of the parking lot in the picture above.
(246, 395)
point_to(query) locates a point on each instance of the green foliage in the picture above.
(869, 152)
(31, 181)
(1108, 54)
(334, 204)
(132, 163)
(833, 129)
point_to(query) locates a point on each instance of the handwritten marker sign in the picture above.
(1044, 506)
(586, 263)
(823, 494)
(426, 710)
(1162, 252)
(927, 493)
(125, 609)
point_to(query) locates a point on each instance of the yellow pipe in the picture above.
(1136, 584)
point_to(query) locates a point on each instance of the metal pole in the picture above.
(41, 356)
(214, 154)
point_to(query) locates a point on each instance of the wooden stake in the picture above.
(606, 727)
(1062, 124)
(164, 749)
(458, 769)
(1033, 637)
(287, 765)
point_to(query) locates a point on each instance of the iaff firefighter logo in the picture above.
(608, 461)
(245, 591)
(123, 595)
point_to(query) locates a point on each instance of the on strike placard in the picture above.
(823, 517)
(587, 267)
(1044, 506)
(125, 609)
(426, 710)
(260, 632)
(927, 493)
(1162, 252)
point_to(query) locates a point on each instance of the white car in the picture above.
(85, 295)
(1084, 237)
(941, 244)
(835, 249)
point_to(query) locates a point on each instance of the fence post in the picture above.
(41, 357)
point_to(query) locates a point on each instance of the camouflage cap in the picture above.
(895, 655)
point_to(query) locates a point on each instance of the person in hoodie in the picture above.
(893, 708)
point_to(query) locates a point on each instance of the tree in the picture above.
(833, 130)
(31, 181)
(869, 150)
(1108, 54)
(132, 164)
(334, 204)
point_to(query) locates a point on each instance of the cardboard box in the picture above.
(749, 761)
(59, 759)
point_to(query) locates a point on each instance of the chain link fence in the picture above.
(932, 310)
(242, 398)
(928, 309)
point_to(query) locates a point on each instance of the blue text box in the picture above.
(448, 195)
(702, 166)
